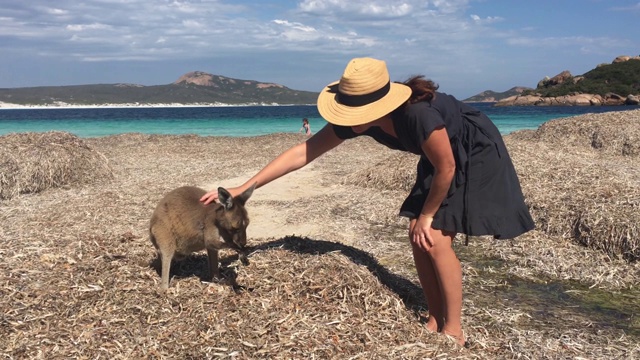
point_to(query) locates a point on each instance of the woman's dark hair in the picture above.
(421, 89)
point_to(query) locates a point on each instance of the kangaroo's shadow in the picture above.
(198, 265)
(410, 293)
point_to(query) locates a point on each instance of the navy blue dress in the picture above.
(485, 197)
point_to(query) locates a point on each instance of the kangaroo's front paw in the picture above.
(244, 259)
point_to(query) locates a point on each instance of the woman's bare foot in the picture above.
(459, 339)
(432, 325)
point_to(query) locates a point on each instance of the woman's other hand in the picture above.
(421, 233)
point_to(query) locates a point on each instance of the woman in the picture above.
(306, 128)
(465, 182)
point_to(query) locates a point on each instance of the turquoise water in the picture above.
(235, 121)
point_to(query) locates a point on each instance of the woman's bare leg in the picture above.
(449, 274)
(430, 286)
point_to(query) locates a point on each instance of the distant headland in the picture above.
(617, 83)
(195, 88)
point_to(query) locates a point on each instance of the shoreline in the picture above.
(63, 105)
(10, 106)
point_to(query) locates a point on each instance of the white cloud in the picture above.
(56, 11)
(488, 20)
(326, 38)
(83, 27)
(202, 27)
(379, 9)
(295, 25)
(193, 24)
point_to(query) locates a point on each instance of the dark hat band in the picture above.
(366, 99)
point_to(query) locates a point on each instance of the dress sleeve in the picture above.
(422, 121)
(344, 132)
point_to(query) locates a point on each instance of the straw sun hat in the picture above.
(363, 94)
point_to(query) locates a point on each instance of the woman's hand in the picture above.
(212, 195)
(421, 233)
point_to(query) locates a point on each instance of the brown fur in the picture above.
(181, 224)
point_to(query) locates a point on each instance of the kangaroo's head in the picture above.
(232, 219)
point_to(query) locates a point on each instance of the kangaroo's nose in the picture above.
(240, 239)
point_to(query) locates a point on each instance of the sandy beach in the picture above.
(331, 273)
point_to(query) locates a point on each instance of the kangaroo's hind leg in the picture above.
(166, 258)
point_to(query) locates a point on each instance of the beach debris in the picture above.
(349, 290)
(32, 162)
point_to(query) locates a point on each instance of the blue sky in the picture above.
(466, 46)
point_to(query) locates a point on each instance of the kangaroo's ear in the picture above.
(225, 198)
(242, 198)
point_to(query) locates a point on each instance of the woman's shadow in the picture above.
(410, 293)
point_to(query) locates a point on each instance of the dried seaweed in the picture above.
(32, 162)
(78, 277)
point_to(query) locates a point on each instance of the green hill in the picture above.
(621, 78)
(191, 88)
(492, 96)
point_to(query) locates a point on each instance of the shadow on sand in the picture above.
(408, 291)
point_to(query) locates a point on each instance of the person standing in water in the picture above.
(465, 182)
(306, 128)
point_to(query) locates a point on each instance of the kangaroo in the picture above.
(181, 224)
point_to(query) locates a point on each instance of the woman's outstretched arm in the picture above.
(292, 159)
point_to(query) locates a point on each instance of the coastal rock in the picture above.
(197, 78)
(561, 78)
(268, 85)
(542, 83)
(566, 100)
(632, 100)
(582, 99)
(526, 100)
(612, 99)
(519, 100)
(621, 58)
